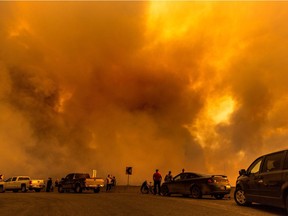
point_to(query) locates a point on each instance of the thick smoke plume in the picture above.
(167, 85)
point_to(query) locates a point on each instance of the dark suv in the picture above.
(265, 181)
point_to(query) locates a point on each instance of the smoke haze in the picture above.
(167, 85)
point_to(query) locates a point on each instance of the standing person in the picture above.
(49, 185)
(168, 177)
(113, 181)
(183, 170)
(56, 182)
(157, 178)
(108, 183)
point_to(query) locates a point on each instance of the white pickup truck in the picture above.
(21, 183)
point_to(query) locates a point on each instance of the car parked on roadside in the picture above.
(78, 182)
(196, 185)
(265, 181)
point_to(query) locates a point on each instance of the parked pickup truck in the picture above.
(78, 182)
(21, 183)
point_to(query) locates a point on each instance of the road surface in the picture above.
(122, 203)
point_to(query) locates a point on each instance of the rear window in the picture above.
(273, 162)
(23, 178)
(220, 178)
(82, 175)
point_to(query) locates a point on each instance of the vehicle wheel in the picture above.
(219, 196)
(196, 192)
(23, 188)
(60, 189)
(78, 189)
(165, 191)
(145, 190)
(96, 190)
(239, 197)
(2, 189)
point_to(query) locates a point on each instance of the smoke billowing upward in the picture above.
(168, 85)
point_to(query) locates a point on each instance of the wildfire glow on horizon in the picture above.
(102, 85)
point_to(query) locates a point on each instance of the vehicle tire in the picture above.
(23, 188)
(165, 191)
(2, 189)
(219, 196)
(78, 189)
(60, 189)
(96, 190)
(196, 192)
(240, 198)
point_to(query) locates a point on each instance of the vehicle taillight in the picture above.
(30, 182)
(210, 181)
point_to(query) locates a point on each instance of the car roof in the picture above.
(199, 174)
(264, 155)
(204, 175)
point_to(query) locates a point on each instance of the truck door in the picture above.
(8, 183)
(68, 181)
(13, 184)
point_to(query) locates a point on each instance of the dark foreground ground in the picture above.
(123, 201)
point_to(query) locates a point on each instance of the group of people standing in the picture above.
(157, 178)
(49, 185)
(110, 182)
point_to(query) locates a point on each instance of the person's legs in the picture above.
(155, 187)
(159, 187)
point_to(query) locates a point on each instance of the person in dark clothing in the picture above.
(113, 181)
(168, 177)
(157, 178)
(56, 183)
(49, 185)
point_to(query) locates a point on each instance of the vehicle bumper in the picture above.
(217, 189)
(91, 187)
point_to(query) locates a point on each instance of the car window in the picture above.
(14, 178)
(70, 176)
(273, 162)
(82, 175)
(8, 180)
(23, 178)
(177, 178)
(255, 167)
(286, 161)
(191, 175)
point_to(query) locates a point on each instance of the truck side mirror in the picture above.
(242, 172)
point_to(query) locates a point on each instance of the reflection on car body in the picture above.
(196, 185)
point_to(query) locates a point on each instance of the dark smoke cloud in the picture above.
(105, 85)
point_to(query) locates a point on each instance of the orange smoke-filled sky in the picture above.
(148, 84)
